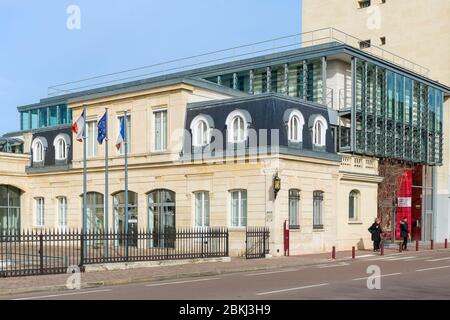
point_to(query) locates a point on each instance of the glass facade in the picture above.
(45, 117)
(301, 79)
(396, 116)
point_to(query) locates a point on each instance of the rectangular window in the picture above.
(43, 118)
(294, 208)
(25, 120)
(53, 116)
(34, 118)
(160, 130)
(317, 210)
(202, 209)
(239, 208)
(62, 212)
(128, 135)
(39, 212)
(91, 139)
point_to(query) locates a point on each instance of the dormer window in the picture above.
(319, 129)
(61, 145)
(38, 147)
(237, 124)
(201, 130)
(295, 126)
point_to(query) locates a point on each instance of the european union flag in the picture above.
(101, 125)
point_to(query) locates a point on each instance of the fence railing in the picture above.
(257, 242)
(52, 252)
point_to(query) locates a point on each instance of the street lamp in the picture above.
(276, 184)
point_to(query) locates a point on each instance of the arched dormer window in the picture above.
(39, 146)
(319, 130)
(201, 127)
(237, 126)
(61, 144)
(295, 126)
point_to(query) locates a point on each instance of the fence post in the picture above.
(81, 249)
(264, 241)
(227, 239)
(201, 232)
(41, 253)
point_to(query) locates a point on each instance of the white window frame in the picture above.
(319, 141)
(239, 208)
(198, 136)
(236, 114)
(296, 116)
(91, 140)
(61, 212)
(39, 212)
(164, 131)
(356, 205)
(38, 151)
(318, 210)
(296, 215)
(128, 137)
(60, 149)
(205, 209)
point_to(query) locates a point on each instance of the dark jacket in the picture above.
(376, 232)
(404, 231)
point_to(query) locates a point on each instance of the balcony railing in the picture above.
(295, 41)
(358, 164)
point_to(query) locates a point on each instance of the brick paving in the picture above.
(113, 277)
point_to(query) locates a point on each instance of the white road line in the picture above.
(341, 264)
(179, 282)
(391, 256)
(402, 258)
(428, 269)
(383, 275)
(293, 289)
(64, 294)
(269, 272)
(440, 259)
(365, 256)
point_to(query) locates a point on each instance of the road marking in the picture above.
(341, 264)
(402, 258)
(440, 259)
(391, 256)
(180, 282)
(383, 275)
(293, 289)
(63, 294)
(270, 272)
(427, 269)
(365, 256)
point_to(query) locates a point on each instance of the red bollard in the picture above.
(400, 247)
(417, 245)
(446, 244)
(353, 253)
(333, 253)
(432, 244)
(382, 249)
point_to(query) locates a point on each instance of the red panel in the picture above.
(404, 199)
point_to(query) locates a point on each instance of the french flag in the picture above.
(121, 136)
(78, 126)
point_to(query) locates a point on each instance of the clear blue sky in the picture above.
(37, 50)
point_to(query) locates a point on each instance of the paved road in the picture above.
(425, 275)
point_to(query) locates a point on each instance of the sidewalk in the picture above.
(105, 278)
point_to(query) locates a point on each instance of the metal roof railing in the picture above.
(276, 45)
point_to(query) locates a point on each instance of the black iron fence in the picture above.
(52, 252)
(256, 242)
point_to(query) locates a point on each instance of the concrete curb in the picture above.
(123, 281)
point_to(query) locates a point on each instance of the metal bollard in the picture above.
(432, 244)
(353, 253)
(333, 253)
(446, 244)
(417, 245)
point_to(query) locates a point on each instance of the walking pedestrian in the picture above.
(376, 231)
(404, 233)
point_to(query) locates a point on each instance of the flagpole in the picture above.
(106, 183)
(126, 182)
(84, 176)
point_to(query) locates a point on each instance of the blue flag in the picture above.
(101, 125)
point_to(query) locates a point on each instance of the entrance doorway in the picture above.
(119, 216)
(161, 218)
